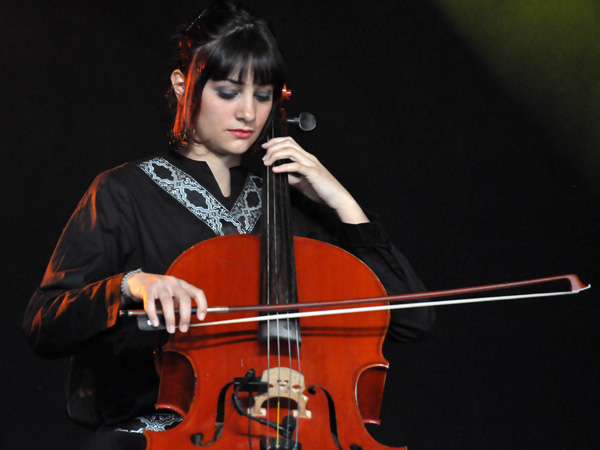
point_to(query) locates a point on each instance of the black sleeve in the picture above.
(369, 242)
(80, 292)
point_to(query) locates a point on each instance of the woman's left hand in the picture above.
(309, 176)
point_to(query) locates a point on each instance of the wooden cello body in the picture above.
(331, 388)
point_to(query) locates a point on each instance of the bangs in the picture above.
(241, 54)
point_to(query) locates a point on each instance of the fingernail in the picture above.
(183, 328)
(171, 329)
(202, 316)
(155, 323)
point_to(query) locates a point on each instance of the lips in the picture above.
(242, 134)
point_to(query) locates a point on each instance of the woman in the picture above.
(135, 220)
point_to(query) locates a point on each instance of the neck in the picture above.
(214, 160)
(219, 164)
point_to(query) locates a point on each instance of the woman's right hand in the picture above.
(172, 293)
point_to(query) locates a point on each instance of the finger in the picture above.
(150, 308)
(296, 179)
(185, 309)
(284, 157)
(167, 304)
(295, 168)
(290, 150)
(274, 141)
(200, 299)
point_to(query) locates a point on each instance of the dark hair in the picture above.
(224, 38)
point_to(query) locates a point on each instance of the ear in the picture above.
(178, 83)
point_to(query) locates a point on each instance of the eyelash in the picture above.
(230, 95)
(263, 98)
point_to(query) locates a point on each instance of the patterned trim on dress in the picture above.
(191, 194)
(152, 422)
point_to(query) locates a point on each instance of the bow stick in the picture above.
(397, 302)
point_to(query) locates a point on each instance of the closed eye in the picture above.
(262, 97)
(227, 94)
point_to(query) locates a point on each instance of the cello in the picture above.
(283, 383)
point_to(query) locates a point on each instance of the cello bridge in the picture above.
(284, 383)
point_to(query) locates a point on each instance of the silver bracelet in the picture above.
(125, 292)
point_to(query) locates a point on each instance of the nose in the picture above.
(246, 108)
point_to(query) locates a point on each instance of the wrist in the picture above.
(125, 289)
(350, 212)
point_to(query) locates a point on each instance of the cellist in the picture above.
(135, 220)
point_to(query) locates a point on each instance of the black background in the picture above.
(470, 188)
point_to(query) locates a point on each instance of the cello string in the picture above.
(286, 253)
(277, 287)
(292, 292)
(267, 229)
(290, 386)
(290, 259)
(300, 384)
